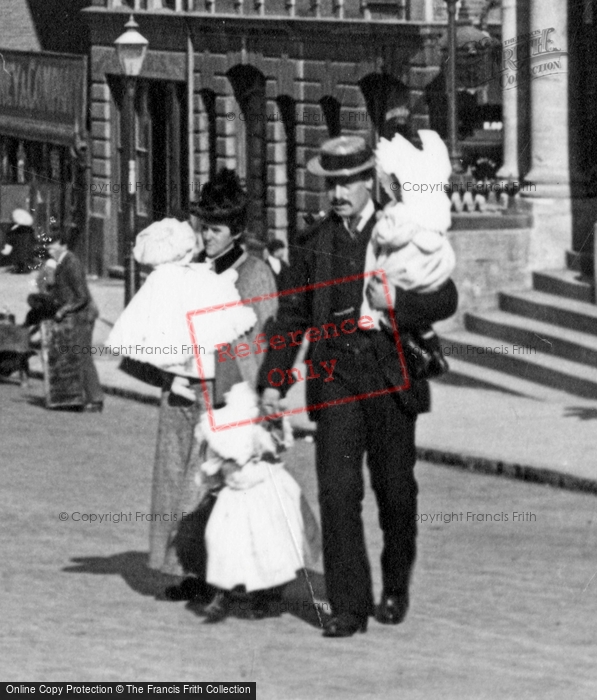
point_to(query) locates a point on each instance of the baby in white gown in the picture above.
(157, 326)
(409, 240)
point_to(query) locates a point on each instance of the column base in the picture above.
(551, 232)
(539, 184)
(508, 172)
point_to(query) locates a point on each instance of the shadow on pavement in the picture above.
(131, 566)
(37, 401)
(453, 378)
(305, 598)
(40, 402)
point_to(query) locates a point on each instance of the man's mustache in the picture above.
(339, 202)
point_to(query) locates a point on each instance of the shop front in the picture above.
(43, 142)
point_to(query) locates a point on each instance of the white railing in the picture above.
(391, 9)
(489, 197)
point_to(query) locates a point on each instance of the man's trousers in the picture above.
(378, 427)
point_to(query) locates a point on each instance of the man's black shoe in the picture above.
(344, 626)
(392, 609)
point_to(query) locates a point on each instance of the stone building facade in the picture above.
(255, 87)
(43, 115)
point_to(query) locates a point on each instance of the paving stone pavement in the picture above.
(500, 610)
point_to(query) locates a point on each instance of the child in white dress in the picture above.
(154, 327)
(255, 535)
(409, 240)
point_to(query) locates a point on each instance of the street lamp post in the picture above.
(131, 48)
(453, 145)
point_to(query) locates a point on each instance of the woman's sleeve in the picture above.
(266, 309)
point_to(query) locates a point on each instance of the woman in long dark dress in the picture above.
(175, 545)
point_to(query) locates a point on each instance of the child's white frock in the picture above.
(255, 535)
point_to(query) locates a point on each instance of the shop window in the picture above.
(4, 161)
(21, 164)
(12, 146)
(142, 187)
(208, 98)
(55, 164)
(37, 161)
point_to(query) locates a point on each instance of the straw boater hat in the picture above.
(168, 240)
(342, 157)
(21, 217)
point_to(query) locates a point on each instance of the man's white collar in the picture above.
(366, 213)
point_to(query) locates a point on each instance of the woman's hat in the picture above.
(21, 217)
(342, 157)
(222, 200)
(168, 240)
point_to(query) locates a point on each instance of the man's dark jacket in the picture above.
(312, 309)
(70, 292)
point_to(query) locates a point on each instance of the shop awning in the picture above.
(42, 96)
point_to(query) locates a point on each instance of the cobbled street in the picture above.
(500, 609)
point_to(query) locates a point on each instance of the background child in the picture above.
(255, 534)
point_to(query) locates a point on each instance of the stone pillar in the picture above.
(548, 72)
(549, 190)
(509, 97)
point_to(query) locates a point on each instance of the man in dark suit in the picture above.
(348, 360)
(70, 296)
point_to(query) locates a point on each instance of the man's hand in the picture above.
(270, 402)
(58, 316)
(376, 294)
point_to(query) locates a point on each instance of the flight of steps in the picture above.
(538, 343)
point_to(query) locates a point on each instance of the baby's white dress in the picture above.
(255, 535)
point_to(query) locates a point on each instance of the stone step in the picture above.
(545, 337)
(565, 375)
(549, 308)
(565, 283)
(467, 374)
